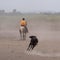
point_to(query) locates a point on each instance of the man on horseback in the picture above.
(24, 24)
(23, 29)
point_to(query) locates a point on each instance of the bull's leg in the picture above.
(29, 47)
(33, 46)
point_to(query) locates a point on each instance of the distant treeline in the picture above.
(50, 13)
(15, 12)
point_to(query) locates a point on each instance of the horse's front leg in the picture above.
(24, 36)
(20, 34)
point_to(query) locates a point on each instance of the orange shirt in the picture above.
(23, 23)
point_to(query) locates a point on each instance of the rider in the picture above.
(24, 23)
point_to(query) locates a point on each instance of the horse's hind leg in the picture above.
(20, 34)
(24, 36)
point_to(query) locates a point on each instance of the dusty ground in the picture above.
(47, 30)
(16, 50)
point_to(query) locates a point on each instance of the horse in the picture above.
(32, 43)
(22, 31)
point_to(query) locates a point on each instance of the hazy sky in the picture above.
(31, 5)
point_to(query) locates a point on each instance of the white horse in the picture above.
(22, 33)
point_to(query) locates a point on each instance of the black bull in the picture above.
(33, 42)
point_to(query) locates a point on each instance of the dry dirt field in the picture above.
(45, 27)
